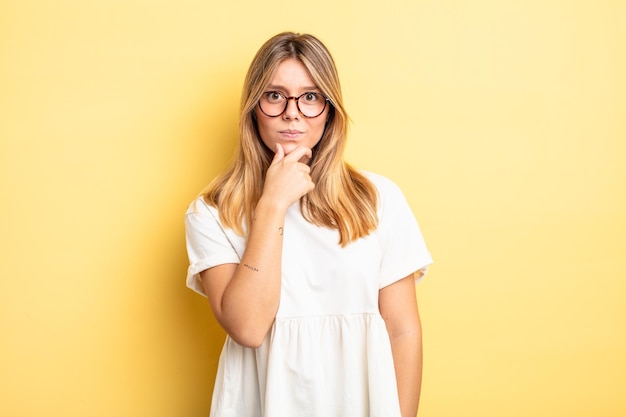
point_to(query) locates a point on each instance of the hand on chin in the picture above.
(289, 147)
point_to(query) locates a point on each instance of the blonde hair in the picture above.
(343, 199)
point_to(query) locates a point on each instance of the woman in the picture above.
(309, 265)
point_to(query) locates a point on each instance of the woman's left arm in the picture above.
(398, 306)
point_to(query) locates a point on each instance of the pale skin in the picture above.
(244, 297)
(398, 307)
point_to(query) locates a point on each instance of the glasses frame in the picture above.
(297, 99)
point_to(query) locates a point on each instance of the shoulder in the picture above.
(198, 206)
(201, 215)
(386, 188)
(391, 200)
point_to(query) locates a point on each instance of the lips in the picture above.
(291, 133)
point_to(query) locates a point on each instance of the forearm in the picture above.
(407, 358)
(250, 301)
(245, 298)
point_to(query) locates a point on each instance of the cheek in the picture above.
(262, 126)
(320, 127)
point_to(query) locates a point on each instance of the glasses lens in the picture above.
(272, 103)
(311, 104)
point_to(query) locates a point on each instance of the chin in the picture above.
(289, 147)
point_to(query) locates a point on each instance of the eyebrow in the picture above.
(280, 87)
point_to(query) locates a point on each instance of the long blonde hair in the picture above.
(343, 199)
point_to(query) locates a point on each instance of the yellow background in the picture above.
(503, 122)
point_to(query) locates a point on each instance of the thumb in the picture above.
(280, 153)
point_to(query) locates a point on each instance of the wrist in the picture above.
(270, 208)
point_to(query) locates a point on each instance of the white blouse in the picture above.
(328, 352)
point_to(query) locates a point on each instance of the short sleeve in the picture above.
(207, 243)
(404, 250)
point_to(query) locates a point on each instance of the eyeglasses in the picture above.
(310, 105)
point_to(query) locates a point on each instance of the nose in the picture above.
(291, 111)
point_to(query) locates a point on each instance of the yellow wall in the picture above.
(503, 121)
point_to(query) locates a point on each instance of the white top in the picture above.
(328, 352)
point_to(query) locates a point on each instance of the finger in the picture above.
(303, 167)
(306, 159)
(280, 153)
(299, 153)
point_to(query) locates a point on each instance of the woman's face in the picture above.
(291, 129)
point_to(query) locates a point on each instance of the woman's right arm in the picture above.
(244, 297)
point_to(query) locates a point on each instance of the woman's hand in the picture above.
(245, 296)
(288, 178)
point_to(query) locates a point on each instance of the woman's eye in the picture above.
(310, 97)
(274, 96)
